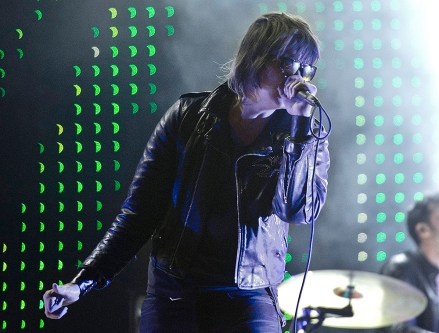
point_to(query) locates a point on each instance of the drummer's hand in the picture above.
(58, 298)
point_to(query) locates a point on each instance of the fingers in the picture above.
(294, 104)
(296, 83)
(292, 85)
(56, 314)
(53, 304)
(58, 298)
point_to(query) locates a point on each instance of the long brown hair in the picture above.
(269, 38)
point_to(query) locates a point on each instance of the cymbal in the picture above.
(377, 300)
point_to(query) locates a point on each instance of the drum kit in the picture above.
(349, 300)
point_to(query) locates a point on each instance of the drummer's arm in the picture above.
(399, 268)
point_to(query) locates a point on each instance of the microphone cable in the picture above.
(311, 99)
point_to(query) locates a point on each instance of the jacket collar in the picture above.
(218, 104)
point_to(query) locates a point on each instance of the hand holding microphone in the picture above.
(300, 95)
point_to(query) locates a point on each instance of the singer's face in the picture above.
(272, 77)
(272, 82)
(278, 92)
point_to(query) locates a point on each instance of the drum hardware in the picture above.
(374, 300)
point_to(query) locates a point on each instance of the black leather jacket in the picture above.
(174, 186)
(413, 268)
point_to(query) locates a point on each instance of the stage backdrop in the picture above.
(83, 83)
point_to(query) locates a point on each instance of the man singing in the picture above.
(222, 176)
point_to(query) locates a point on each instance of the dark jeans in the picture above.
(240, 311)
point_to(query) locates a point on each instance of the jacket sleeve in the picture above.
(145, 206)
(302, 183)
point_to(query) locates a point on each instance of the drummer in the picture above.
(420, 267)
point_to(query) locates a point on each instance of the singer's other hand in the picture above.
(294, 104)
(57, 299)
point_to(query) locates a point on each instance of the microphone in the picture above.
(307, 97)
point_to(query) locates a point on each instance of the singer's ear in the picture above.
(423, 230)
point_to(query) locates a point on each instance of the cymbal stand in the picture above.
(308, 323)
